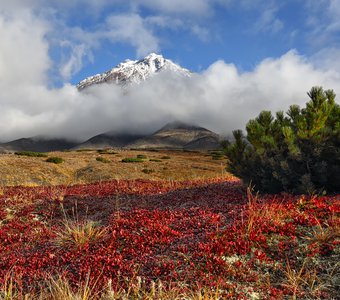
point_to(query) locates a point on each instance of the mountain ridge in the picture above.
(172, 136)
(38, 144)
(179, 136)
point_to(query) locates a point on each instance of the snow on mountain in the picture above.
(135, 71)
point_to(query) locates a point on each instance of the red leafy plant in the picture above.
(138, 239)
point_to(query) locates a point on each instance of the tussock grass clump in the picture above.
(165, 157)
(55, 160)
(60, 288)
(102, 159)
(31, 154)
(132, 160)
(141, 156)
(76, 234)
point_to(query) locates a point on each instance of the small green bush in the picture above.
(190, 151)
(148, 171)
(165, 157)
(217, 155)
(84, 150)
(55, 160)
(216, 152)
(106, 151)
(31, 154)
(141, 156)
(102, 159)
(131, 160)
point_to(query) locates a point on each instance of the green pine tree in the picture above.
(299, 152)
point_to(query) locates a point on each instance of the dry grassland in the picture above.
(83, 167)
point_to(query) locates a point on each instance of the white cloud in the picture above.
(327, 59)
(221, 98)
(323, 21)
(74, 61)
(17, 5)
(165, 22)
(23, 48)
(334, 13)
(201, 32)
(133, 29)
(268, 21)
(195, 7)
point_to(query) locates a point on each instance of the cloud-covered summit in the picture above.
(48, 46)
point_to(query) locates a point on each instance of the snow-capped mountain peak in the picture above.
(135, 71)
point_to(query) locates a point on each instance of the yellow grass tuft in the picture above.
(79, 234)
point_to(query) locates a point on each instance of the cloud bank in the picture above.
(221, 98)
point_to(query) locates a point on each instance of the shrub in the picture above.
(155, 160)
(84, 150)
(102, 159)
(190, 151)
(31, 154)
(148, 171)
(299, 152)
(106, 151)
(141, 156)
(55, 160)
(131, 160)
(165, 157)
(217, 155)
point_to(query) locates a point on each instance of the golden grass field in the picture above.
(82, 167)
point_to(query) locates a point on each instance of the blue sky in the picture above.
(194, 34)
(249, 55)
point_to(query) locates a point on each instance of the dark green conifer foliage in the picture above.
(299, 152)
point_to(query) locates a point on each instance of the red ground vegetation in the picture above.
(189, 235)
